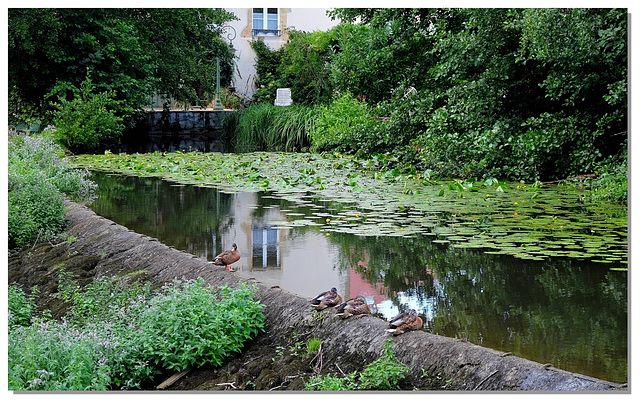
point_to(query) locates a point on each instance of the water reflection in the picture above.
(572, 314)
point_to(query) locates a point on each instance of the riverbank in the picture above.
(97, 246)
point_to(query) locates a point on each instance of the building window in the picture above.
(266, 22)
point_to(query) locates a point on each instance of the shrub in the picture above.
(38, 179)
(87, 121)
(186, 326)
(21, 306)
(346, 125)
(611, 182)
(57, 356)
(385, 372)
(36, 212)
(120, 336)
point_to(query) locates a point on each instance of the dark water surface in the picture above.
(570, 313)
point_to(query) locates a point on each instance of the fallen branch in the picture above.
(173, 379)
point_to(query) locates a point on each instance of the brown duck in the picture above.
(228, 257)
(404, 322)
(326, 299)
(353, 306)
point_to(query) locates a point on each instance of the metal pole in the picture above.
(218, 106)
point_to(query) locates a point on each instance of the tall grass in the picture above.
(266, 127)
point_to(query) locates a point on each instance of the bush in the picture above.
(36, 212)
(88, 121)
(57, 356)
(186, 326)
(611, 182)
(120, 336)
(385, 372)
(346, 125)
(38, 179)
(21, 306)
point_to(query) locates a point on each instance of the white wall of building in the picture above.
(302, 19)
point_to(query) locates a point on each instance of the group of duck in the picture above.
(358, 306)
(355, 306)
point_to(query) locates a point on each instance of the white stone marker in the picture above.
(283, 97)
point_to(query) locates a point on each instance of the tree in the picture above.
(515, 93)
(583, 54)
(132, 52)
(50, 51)
(184, 44)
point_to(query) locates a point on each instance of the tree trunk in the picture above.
(347, 345)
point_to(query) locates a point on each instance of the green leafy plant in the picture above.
(381, 374)
(332, 382)
(346, 125)
(21, 306)
(188, 325)
(119, 335)
(313, 345)
(38, 180)
(35, 212)
(385, 372)
(611, 182)
(88, 121)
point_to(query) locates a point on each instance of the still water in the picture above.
(570, 313)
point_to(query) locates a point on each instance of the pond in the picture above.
(569, 312)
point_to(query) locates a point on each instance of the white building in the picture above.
(270, 25)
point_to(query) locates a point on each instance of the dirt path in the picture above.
(275, 361)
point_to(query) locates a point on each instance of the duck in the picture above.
(228, 257)
(326, 299)
(353, 306)
(404, 322)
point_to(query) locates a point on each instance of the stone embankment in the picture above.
(102, 247)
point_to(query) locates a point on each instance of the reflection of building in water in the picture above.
(358, 285)
(299, 262)
(378, 297)
(265, 242)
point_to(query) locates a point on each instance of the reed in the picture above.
(265, 127)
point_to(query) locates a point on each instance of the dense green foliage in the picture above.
(88, 120)
(381, 374)
(38, 180)
(508, 93)
(132, 54)
(348, 125)
(186, 326)
(117, 335)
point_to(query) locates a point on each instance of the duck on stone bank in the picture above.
(228, 257)
(326, 299)
(353, 306)
(404, 322)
